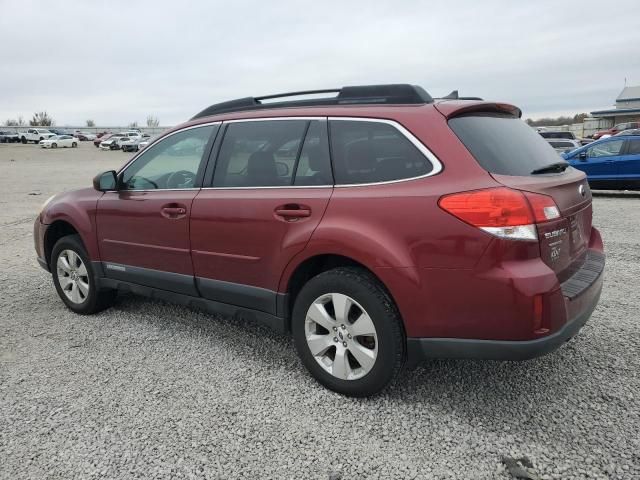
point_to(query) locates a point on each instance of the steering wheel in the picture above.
(181, 179)
(150, 182)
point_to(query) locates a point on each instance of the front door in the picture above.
(599, 162)
(143, 228)
(271, 186)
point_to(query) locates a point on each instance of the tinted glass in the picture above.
(369, 152)
(634, 147)
(259, 154)
(605, 149)
(314, 165)
(561, 144)
(568, 135)
(503, 144)
(171, 163)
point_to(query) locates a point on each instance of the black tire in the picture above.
(54, 145)
(96, 300)
(74, 145)
(366, 290)
(24, 140)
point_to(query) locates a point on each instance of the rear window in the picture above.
(503, 144)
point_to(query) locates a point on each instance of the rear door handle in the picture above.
(293, 212)
(173, 211)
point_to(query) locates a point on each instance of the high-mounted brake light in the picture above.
(502, 212)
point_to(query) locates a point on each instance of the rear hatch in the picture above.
(516, 156)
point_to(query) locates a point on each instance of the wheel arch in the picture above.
(298, 274)
(54, 232)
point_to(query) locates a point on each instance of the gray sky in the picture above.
(119, 61)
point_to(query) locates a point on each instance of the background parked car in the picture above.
(633, 131)
(62, 141)
(111, 143)
(145, 142)
(85, 136)
(9, 137)
(59, 131)
(610, 163)
(548, 134)
(35, 135)
(564, 145)
(130, 144)
(102, 138)
(616, 129)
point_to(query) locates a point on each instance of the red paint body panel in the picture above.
(132, 230)
(77, 208)
(237, 237)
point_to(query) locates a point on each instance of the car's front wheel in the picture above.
(348, 332)
(74, 145)
(74, 278)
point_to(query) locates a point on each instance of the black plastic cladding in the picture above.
(398, 94)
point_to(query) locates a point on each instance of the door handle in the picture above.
(173, 211)
(293, 212)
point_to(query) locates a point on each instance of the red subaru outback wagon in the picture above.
(380, 226)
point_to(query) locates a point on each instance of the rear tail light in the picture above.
(502, 212)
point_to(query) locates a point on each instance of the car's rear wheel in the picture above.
(74, 278)
(348, 332)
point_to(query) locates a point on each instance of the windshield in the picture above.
(503, 144)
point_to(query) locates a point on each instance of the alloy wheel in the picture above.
(72, 276)
(341, 336)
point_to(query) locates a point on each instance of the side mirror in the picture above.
(583, 156)
(105, 181)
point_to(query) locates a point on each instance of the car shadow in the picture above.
(476, 389)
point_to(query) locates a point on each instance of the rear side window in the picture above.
(634, 147)
(274, 153)
(370, 152)
(503, 144)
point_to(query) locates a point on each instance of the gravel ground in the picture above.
(150, 390)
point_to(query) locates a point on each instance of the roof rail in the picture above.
(454, 96)
(398, 94)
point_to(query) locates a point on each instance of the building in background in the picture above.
(627, 108)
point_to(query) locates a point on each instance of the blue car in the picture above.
(612, 163)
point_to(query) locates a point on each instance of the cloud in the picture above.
(119, 61)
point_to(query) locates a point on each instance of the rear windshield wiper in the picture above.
(552, 167)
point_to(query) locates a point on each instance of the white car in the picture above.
(59, 141)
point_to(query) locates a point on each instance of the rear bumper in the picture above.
(422, 348)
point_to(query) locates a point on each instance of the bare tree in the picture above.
(133, 125)
(91, 123)
(41, 119)
(152, 121)
(12, 122)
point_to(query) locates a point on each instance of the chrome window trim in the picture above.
(435, 163)
(141, 152)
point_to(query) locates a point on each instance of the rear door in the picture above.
(143, 227)
(628, 165)
(270, 189)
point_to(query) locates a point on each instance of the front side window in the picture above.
(370, 152)
(605, 149)
(172, 163)
(259, 153)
